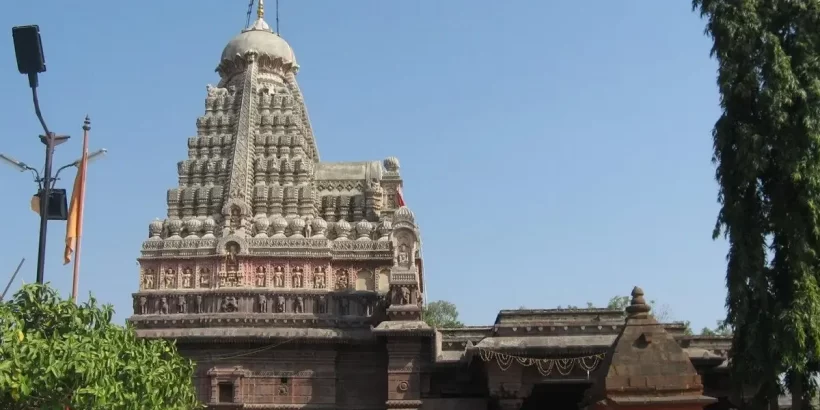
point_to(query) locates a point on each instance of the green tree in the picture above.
(767, 152)
(54, 353)
(441, 314)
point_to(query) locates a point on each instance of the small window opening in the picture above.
(283, 380)
(226, 392)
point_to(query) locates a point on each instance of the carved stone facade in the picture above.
(295, 283)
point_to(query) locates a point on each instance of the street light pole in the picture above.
(45, 195)
(28, 48)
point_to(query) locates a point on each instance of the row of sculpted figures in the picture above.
(338, 304)
(232, 274)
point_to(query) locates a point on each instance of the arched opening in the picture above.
(364, 281)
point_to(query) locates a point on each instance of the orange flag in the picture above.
(75, 208)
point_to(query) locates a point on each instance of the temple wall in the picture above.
(293, 376)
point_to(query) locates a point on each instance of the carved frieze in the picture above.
(308, 302)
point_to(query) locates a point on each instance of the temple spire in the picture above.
(260, 9)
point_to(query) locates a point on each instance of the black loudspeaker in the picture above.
(57, 208)
(28, 46)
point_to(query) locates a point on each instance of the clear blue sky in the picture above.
(554, 152)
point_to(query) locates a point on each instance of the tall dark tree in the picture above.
(767, 152)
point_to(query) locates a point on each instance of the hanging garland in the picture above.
(564, 366)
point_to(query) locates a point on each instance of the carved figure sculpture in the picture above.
(204, 278)
(319, 278)
(143, 305)
(163, 306)
(182, 305)
(260, 277)
(280, 304)
(229, 304)
(170, 278)
(236, 218)
(344, 306)
(404, 255)
(278, 277)
(299, 305)
(187, 274)
(231, 260)
(199, 307)
(296, 279)
(148, 279)
(342, 279)
(405, 295)
(262, 301)
(321, 304)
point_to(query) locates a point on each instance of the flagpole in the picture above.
(84, 169)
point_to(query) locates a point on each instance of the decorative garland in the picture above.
(564, 366)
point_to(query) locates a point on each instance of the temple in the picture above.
(294, 283)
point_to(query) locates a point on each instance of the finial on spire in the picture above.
(637, 309)
(87, 123)
(260, 10)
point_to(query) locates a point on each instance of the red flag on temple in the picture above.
(399, 197)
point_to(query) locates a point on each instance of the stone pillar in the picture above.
(404, 365)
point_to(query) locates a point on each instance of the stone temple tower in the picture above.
(265, 247)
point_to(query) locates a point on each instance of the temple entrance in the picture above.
(555, 396)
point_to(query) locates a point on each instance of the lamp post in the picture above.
(28, 48)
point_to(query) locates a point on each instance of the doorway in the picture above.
(555, 396)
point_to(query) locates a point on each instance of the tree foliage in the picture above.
(54, 353)
(441, 314)
(767, 154)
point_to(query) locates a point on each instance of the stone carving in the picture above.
(401, 296)
(260, 277)
(415, 297)
(231, 260)
(279, 277)
(263, 304)
(319, 278)
(204, 278)
(344, 306)
(149, 279)
(236, 219)
(170, 278)
(296, 279)
(342, 279)
(299, 305)
(182, 305)
(280, 304)
(321, 304)
(404, 255)
(143, 305)
(187, 275)
(199, 307)
(163, 306)
(229, 305)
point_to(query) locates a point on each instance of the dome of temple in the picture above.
(404, 214)
(261, 39)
